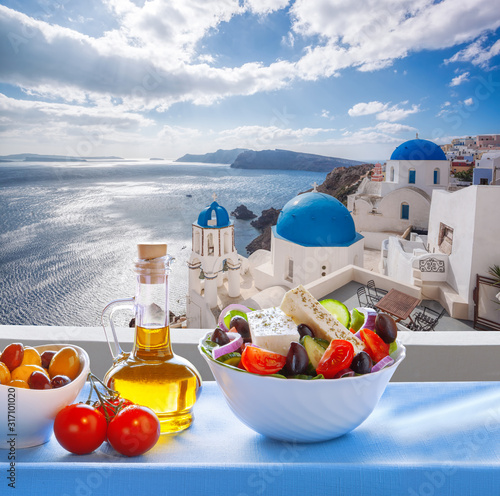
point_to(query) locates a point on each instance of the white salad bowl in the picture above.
(31, 412)
(297, 410)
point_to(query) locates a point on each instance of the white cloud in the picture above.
(362, 138)
(469, 101)
(257, 137)
(374, 33)
(84, 128)
(367, 108)
(391, 128)
(155, 58)
(154, 55)
(383, 110)
(265, 6)
(93, 69)
(288, 40)
(397, 113)
(476, 53)
(461, 78)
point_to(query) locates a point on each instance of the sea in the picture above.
(69, 230)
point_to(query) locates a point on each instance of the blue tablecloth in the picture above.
(422, 439)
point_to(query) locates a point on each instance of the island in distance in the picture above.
(288, 160)
(218, 157)
(34, 157)
(241, 158)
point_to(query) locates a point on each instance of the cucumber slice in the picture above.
(233, 359)
(339, 311)
(314, 348)
(393, 347)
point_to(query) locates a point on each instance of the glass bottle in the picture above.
(151, 374)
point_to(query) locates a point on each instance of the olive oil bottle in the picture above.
(151, 374)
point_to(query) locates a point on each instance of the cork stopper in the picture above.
(147, 251)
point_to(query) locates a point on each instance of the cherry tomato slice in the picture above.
(80, 429)
(134, 430)
(338, 356)
(375, 346)
(263, 362)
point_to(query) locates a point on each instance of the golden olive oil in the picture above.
(154, 377)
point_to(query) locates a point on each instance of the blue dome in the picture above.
(221, 216)
(316, 219)
(418, 149)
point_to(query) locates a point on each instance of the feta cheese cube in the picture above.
(272, 330)
(303, 308)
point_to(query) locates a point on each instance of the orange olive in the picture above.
(65, 362)
(19, 384)
(31, 357)
(23, 373)
(13, 355)
(4, 374)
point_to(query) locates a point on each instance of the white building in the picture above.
(213, 259)
(416, 168)
(314, 236)
(487, 170)
(463, 241)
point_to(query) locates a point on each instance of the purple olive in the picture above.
(304, 330)
(297, 359)
(220, 337)
(242, 327)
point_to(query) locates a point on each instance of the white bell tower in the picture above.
(213, 259)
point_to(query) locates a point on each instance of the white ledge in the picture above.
(433, 356)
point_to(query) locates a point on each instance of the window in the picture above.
(483, 180)
(213, 219)
(436, 176)
(228, 242)
(196, 243)
(445, 240)
(210, 243)
(392, 173)
(405, 211)
(411, 176)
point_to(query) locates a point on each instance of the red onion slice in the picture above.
(370, 316)
(385, 362)
(344, 373)
(233, 345)
(233, 306)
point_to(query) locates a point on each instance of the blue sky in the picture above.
(163, 78)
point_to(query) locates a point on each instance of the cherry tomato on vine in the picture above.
(112, 407)
(259, 361)
(80, 428)
(338, 356)
(134, 430)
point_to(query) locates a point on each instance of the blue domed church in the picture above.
(213, 260)
(402, 199)
(315, 235)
